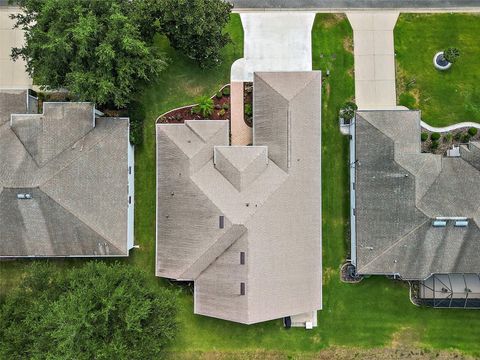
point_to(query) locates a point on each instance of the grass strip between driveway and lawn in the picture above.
(372, 314)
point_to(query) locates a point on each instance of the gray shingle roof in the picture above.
(400, 191)
(270, 203)
(77, 175)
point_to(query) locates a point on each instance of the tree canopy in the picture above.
(97, 311)
(196, 27)
(100, 50)
(92, 48)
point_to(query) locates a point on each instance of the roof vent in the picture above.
(439, 223)
(24, 196)
(221, 221)
(461, 223)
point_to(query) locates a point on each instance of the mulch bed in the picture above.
(248, 99)
(444, 145)
(179, 116)
(346, 277)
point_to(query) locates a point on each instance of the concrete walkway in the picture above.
(12, 74)
(374, 59)
(449, 128)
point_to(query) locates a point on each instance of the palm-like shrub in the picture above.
(204, 106)
(451, 54)
(348, 110)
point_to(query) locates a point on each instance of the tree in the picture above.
(451, 54)
(97, 311)
(195, 27)
(92, 48)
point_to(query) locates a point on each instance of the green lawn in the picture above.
(374, 313)
(444, 97)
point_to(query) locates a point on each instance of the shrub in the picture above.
(451, 54)
(136, 112)
(465, 138)
(226, 91)
(219, 95)
(424, 136)
(458, 136)
(225, 106)
(448, 137)
(407, 100)
(472, 131)
(434, 145)
(248, 110)
(435, 136)
(348, 110)
(221, 113)
(204, 106)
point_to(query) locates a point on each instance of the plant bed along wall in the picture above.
(221, 111)
(446, 142)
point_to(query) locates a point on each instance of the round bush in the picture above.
(219, 95)
(424, 136)
(465, 138)
(226, 91)
(435, 136)
(473, 131)
(434, 145)
(225, 106)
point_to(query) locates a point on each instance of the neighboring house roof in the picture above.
(400, 191)
(75, 169)
(217, 201)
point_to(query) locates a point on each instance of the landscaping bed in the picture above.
(248, 103)
(220, 110)
(446, 140)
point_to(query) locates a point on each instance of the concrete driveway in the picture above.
(275, 41)
(12, 74)
(374, 59)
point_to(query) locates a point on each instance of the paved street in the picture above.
(348, 5)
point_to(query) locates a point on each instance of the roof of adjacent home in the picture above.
(401, 191)
(266, 196)
(76, 170)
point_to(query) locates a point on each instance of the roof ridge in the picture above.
(207, 251)
(28, 152)
(303, 88)
(75, 158)
(81, 220)
(188, 122)
(376, 127)
(403, 237)
(271, 87)
(242, 146)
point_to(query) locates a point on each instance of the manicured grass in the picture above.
(373, 313)
(445, 97)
